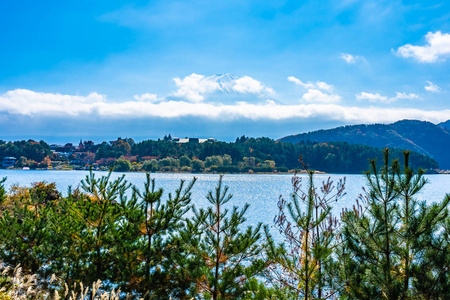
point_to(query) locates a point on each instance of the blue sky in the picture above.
(142, 69)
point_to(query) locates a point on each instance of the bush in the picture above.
(165, 162)
(122, 165)
(150, 165)
(166, 169)
(198, 165)
(186, 169)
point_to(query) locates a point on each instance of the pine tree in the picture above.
(159, 231)
(303, 265)
(432, 274)
(23, 230)
(65, 246)
(99, 210)
(222, 257)
(386, 240)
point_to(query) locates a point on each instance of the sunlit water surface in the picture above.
(261, 191)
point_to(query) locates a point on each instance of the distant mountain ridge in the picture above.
(420, 136)
(445, 124)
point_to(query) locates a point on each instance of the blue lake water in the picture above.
(261, 191)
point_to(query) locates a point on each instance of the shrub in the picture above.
(122, 165)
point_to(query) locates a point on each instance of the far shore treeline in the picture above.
(156, 244)
(245, 155)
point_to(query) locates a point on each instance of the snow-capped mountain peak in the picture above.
(225, 81)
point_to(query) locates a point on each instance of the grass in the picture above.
(15, 285)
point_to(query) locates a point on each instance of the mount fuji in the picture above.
(232, 89)
(226, 82)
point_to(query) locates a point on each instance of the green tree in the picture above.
(162, 220)
(23, 231)
(227, 160)
(150, 165)
(215, 160)
(225, 258)
(385, 241)
(431, 275)
(122, 165)
(185, 161)
(198, 165)
(165, 163)
(99, 211)
(174, 163)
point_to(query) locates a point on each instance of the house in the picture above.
(8, 162)
(192, 140)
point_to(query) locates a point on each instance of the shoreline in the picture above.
(180, 172)
(439, 172)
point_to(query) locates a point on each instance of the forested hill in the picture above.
(332, 157)
(243, 155)
(423, 137)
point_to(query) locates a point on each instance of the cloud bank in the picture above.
(30, 103)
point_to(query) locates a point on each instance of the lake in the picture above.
(261, 191)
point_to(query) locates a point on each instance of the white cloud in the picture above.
(297, 81)
(406, 96)
(348, 58)
(352, 59)
(437, 48)
(309, 85)
(26, 102)
(323, 86)
(247, 84)
(373, 97)
(146, 97)
(316, 96)
(431, 87)
(314, 93)
(194, 87)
